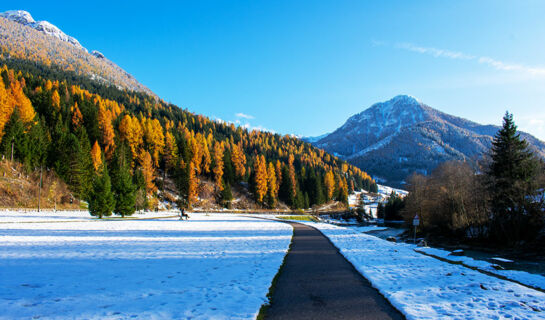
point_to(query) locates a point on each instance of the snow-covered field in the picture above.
(423, 287)
(68, 265)
(533, 280)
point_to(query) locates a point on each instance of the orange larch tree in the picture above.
(329, 182)
(96, 156)
(131, 132)
(77, 117)
(272, 184)
(149, 172)
(260, 171)
(107, 131)
(22, 104)
(218, 165)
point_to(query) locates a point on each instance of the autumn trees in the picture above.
(501, 202)
(81, 131)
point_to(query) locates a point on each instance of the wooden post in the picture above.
(40, 190)
(12, 142)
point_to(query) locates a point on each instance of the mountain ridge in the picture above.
(21, 37)
(406, 130)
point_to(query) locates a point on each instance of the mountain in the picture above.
(24, 18)
(23, 38)
(395, 138)
(91, 128)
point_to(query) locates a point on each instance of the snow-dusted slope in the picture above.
(23, 38)
(395, 138)
(25, 18)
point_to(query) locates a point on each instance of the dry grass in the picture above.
(19, 189)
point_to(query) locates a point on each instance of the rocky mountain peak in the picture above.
(395, 138)
(25, 18)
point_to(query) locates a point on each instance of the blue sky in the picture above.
(304, 67)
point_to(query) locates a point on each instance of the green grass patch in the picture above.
(299, 218)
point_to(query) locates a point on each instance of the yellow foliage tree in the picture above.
(107, 131)
(171, 150)
(329, 182)
(193, 184)
(6, 107)
(260, 170)
(131, 132)
(218, 165)
(272, 184)
(148, 172)
(77, 117)
(239, 160)
(23, 104)
(56, 100)
(96, 156)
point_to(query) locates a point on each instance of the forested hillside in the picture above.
(116, 146)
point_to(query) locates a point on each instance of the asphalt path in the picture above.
(317, 282)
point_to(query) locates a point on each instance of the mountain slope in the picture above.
(21, 37)
(85, 131)
(395, 138)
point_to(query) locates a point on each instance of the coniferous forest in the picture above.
(116, 148)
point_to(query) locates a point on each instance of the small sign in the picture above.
(416, 221)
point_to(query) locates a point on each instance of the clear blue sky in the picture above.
(304, 67)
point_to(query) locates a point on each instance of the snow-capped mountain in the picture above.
(25, 18)
(395, 138)
(23, 38)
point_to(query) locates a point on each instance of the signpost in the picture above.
(416, 223)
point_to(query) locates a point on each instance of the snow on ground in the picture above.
(423, 287)
(211, 267)
(18, 216)
(534, 280)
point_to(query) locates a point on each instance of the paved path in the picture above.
(317, 282)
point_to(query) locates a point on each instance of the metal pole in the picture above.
(414, 234)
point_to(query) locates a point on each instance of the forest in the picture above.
(500, 200)
(116, 148)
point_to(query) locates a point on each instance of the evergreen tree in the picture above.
(122, 185)
(393, 207)
(380, 211)
(14, 134)
(285, 192)
(228, 170)
(101, 199)
(513, 186)
(226, 195)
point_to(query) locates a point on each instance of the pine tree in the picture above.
(226, 195)
(101, 199)
(14, 133)
(513, 186)
(122, 185)
(285, 192)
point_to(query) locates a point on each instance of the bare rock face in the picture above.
(398, 137)
(98, 54)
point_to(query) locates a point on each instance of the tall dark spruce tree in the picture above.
(122, 185)
(101, 198)
(516, 205)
